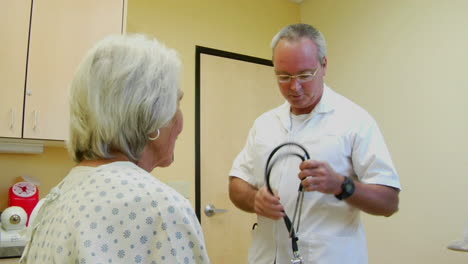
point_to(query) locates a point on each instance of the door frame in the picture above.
(199, 50)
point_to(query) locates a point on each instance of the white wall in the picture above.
(406, 62)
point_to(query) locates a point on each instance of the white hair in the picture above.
(296, 32)
(126, 87)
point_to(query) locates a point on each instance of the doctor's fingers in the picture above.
(263, 196)
(310, 183)
(320, 184)
(268, 205)
(273, 212)
(311, 164)
(319, 171)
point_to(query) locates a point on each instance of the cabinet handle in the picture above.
(12, 121)
(35, 120)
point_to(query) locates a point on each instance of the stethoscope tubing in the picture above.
(300, 197)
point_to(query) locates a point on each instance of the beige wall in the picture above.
(405, 61)
(241, 26)
(49, 168)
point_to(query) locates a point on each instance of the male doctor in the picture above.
(350, 169)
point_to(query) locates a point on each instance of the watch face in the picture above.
(24, 189)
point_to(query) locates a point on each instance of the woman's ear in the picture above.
(153, 137)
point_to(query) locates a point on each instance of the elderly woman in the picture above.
(124, 122)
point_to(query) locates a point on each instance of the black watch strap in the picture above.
(347, 189)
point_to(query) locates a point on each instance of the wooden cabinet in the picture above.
(61, 32)
(14, 32)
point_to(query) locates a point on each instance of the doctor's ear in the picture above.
(324, 64)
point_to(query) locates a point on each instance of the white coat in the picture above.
(336, 131)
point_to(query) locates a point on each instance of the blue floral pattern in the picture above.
(115, 213)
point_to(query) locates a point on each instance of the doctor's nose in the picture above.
(294, 84)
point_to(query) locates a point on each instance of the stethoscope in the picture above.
(297, 259)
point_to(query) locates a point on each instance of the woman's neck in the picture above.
(98, 162)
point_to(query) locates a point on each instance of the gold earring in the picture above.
(154, 138)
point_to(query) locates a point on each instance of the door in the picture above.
(62, 31)
(232, 91)
(14, 29)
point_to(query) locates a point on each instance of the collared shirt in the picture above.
(336, 131)
(114, 213)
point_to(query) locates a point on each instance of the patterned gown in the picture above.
(114, 213)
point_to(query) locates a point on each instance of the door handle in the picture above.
(211, 210)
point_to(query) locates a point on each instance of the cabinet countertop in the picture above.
(9, 261)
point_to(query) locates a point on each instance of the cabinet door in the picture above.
(61, 33)
(14, 31)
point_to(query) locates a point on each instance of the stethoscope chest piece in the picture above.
(296, 260)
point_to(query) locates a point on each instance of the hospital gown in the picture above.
(114, 213)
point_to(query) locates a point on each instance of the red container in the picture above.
(25, 195)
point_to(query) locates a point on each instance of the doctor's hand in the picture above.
(268, 205)
(319, 176)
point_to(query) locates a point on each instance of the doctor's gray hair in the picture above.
(297, 31)
(126, 88)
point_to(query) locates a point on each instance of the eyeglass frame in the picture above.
(290, 77)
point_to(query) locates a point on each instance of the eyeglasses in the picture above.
(301, 78)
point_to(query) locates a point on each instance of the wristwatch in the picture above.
(347, 189)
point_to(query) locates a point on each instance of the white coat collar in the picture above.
(325, 105)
